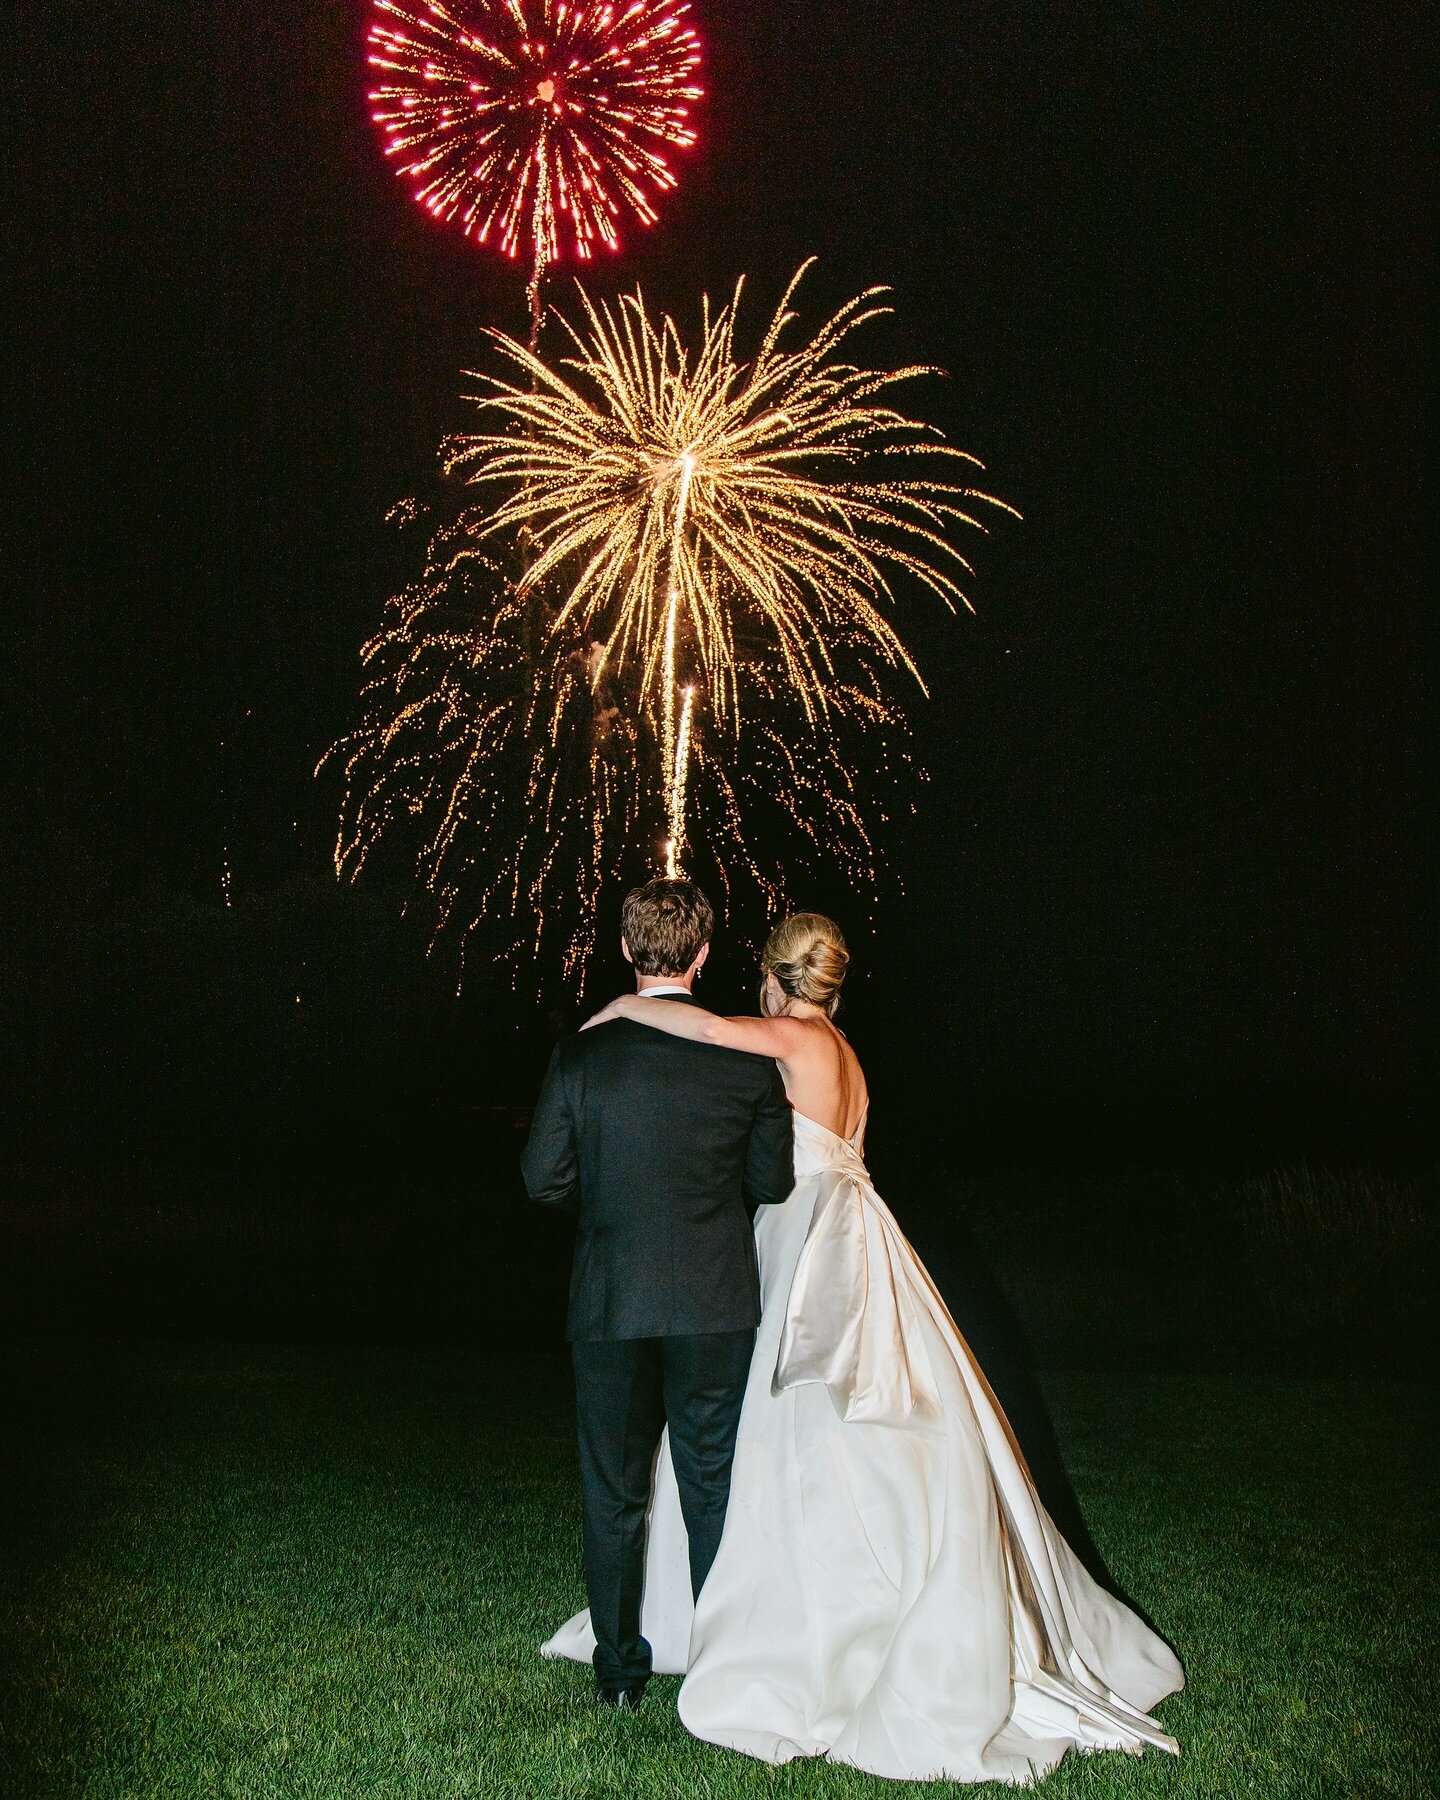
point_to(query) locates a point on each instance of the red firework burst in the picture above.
(520, 120)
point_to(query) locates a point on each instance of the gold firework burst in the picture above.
(707, 608)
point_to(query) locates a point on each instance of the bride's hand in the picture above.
(615, 1010)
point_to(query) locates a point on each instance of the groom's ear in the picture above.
(625, 949)
(700, 959)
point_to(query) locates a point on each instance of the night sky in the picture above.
(1162, 896)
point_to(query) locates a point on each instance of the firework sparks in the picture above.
(679, 504)
(536, 124)
(712, 544)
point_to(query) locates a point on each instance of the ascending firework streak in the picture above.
(712, 543)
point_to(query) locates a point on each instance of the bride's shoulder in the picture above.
(815, 1040)
(799, 1033)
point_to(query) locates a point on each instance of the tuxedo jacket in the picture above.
(663, 1148)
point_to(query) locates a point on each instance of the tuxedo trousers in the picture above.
(626, 1391)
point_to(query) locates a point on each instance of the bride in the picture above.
(889, 1591)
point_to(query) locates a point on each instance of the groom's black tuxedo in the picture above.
(664, 1148)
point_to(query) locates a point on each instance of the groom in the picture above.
(664, 1148)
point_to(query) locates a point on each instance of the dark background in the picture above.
(1162, 900)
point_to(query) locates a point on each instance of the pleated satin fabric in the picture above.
(889, 1591)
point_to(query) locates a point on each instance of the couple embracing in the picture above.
(799, 1491)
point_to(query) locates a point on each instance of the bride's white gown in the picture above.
(889, 1590)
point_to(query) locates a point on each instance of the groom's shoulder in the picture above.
(625, 1041)
(598, 1042)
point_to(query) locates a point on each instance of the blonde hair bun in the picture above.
(806, 954)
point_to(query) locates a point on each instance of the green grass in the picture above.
(312, 1574)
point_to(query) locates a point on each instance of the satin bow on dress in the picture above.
(851, 1322)
(889, 1591)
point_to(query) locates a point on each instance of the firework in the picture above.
(457, 735)
(535, 125)
(703, 625)
(683, 505)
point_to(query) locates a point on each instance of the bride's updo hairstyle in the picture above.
(806, 954)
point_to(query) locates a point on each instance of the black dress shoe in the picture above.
(624, 1696)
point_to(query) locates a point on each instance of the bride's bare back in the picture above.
(822, 1074)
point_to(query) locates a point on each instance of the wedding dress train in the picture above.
(889, 1591)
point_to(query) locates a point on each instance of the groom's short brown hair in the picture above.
(666, 923)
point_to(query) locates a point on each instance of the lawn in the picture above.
(317, 1573)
